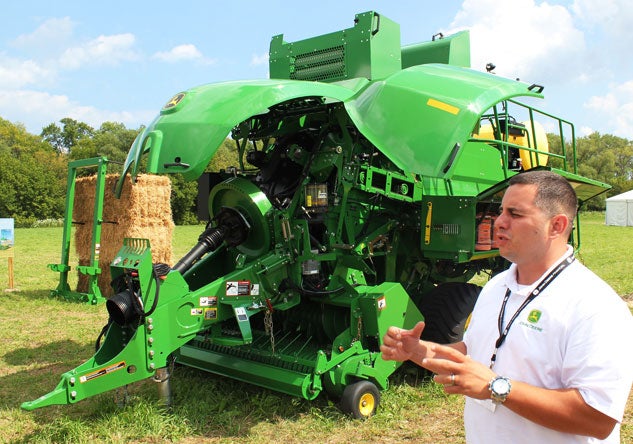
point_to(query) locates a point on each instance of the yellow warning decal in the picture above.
(443, 106)
(427, 225)
(102, 372)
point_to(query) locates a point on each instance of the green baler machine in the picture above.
(363, 195)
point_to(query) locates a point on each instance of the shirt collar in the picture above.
(525, 290)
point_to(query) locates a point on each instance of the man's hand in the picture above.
(458, 372)
(403, 345)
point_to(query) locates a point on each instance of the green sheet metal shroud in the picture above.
(389, 112)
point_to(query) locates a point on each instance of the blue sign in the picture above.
(7, 238)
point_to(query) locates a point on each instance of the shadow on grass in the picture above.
(54, 352)
(204, 405)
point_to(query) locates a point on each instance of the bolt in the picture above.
(150, 327)
(72, 381)
(150, 340)
(73, 394)
(152, 366)
(151, 353)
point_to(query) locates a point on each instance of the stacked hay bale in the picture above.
(143, 211)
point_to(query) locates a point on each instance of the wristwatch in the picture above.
(499, 389)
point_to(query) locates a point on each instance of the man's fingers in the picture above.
(417, 330)
(449, 353)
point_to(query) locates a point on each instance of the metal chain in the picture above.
(359, 327)
(268, 324)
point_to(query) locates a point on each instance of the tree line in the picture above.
(34, 168)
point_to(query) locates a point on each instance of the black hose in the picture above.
(104, 330)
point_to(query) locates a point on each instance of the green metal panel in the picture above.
(449, 231)
(451, 50)
(370, 49)
(420, 115)
(202, 117)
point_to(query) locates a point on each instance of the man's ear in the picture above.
(559, 225)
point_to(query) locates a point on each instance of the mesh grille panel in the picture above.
(323, 64)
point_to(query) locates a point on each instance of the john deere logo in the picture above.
(174, 101)
(534, 316)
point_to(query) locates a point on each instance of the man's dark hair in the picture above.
(554, 194)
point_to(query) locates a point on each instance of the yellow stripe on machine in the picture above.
(443, 106)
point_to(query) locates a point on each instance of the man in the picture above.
(547, 356)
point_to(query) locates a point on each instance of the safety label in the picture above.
(240, 314)
(102, 372)
(238, 288)
(208, 301)
(196, 311)
(210, 313)
(381, 303)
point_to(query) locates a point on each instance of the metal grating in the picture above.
(319, 65)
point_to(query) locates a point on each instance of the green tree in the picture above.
(32, 176)
(65, 138)
(33, 187)
(17, 141)
(112, 140)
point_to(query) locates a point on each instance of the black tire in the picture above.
(360, 399)
(446, 309)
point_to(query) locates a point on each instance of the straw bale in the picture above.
(143, 211)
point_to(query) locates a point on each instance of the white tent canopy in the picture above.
(620, 210)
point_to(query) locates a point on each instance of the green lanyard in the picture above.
(503, 333)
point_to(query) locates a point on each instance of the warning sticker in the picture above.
(240, 313)
(210, 313)
(102, 372)
(381, 303)
(196, 312)
(208, 301)
(238, 288)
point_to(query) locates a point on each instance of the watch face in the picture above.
(501, 386)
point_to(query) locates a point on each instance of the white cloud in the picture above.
(259, 59)
(50, 35)
(181, 53)
(36, 109)
(613, 17)
(525, 40)
(104, 50)
(16, 73)
(617, 107)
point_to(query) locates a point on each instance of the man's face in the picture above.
(521, 229)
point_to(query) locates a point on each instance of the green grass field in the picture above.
(42, 337)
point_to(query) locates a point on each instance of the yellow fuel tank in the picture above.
(521, 134)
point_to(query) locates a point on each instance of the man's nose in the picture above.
(501, 220)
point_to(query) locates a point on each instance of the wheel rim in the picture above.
(366, 404)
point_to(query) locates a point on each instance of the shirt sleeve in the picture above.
(599, 357)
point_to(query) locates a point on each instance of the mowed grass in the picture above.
(41, 338)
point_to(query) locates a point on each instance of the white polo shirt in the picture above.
(578, 333)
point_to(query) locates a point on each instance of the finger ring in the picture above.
(452, 378)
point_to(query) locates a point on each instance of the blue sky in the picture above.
(122, 60)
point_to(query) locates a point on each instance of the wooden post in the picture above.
(10, 272)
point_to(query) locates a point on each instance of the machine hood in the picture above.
(391, 113)
(394, 113)
(193, 124)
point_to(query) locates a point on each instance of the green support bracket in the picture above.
(93, 296)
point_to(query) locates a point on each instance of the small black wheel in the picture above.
(360, 399)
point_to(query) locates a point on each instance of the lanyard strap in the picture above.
(503, 332)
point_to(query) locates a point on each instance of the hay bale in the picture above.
(143, 211)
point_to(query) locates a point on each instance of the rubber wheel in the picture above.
(360, 399)
(446, 309)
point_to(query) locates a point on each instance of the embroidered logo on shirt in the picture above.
(534, 316)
